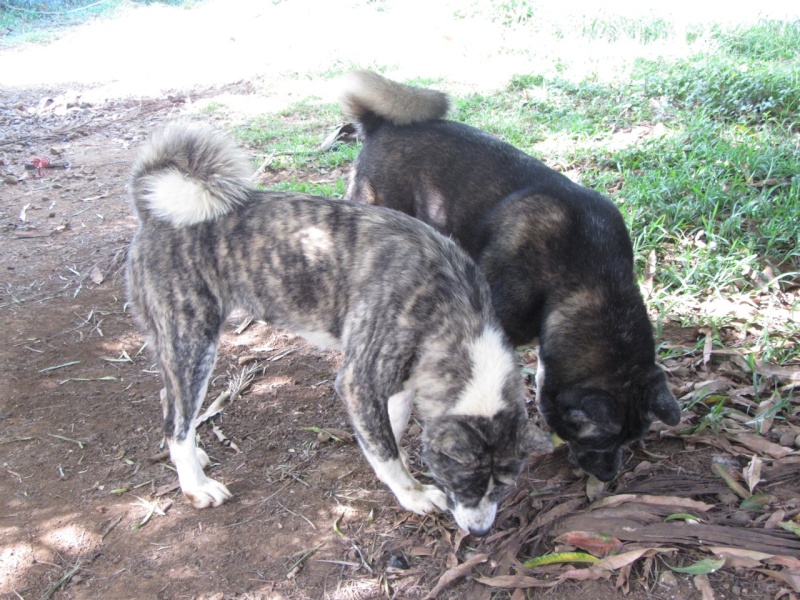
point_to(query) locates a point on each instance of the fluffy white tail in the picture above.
(189, 173)
(367, 95)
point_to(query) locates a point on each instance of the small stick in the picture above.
(282, 354)
(14, 440)
(296, 515)
(61, 366)
(361, 556)
(111, 527)
(52, 165)
(214, 408)
(157, 458)
(245, 324)
(296, 566)
(66, 439)
(64, 579)
(263, 166)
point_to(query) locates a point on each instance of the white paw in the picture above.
(207, 492)
(436, 496)
(423, 500)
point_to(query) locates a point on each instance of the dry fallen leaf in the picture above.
(560, 558)
(707, 345)
(604, 568)
(724, 471)
(741, 557)
(458, 572)
(752, 472)
(761, 421)
(775, 519)
(96, 275)
(788, 576)
(599, 544)
(514, 581)
(653, 500)
(756, 443)
(704, 586)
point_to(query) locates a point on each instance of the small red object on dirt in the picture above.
(40, 163)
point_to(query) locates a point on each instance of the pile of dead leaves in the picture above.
(719, 491)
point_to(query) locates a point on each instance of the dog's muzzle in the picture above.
(604, 465)
(478, 521)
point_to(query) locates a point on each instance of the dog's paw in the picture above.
(423, 499)
(436, 496)
(206, 493)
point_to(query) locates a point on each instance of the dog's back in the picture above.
(557, 256)
(300, 262)
(506, 208)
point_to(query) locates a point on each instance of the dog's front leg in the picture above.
(411, 494)
(378, 428)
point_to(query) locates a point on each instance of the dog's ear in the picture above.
(452, 439)
(595, 411)
(660, 403)
(533, 440)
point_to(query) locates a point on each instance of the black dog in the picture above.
(557, 256)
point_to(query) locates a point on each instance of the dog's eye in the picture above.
(507, 471)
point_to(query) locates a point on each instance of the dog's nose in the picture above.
(479, 532)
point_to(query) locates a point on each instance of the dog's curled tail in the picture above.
(188, 173)
(370, 99)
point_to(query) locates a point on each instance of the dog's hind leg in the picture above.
(186, 363)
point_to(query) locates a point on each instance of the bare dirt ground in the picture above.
(89, 505)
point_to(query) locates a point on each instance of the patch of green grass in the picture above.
(768, 40)
(620, 27)
(292, 139)
(40, 21)
(716, 200)
(511, 12)
(213, 107)
(722, 87)
(329, 190)
(535, 107)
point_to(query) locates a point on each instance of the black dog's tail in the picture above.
(370, 99)
(189, 173)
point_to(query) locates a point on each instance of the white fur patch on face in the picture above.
(182, 201)
(479, 519)
(492, 364)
